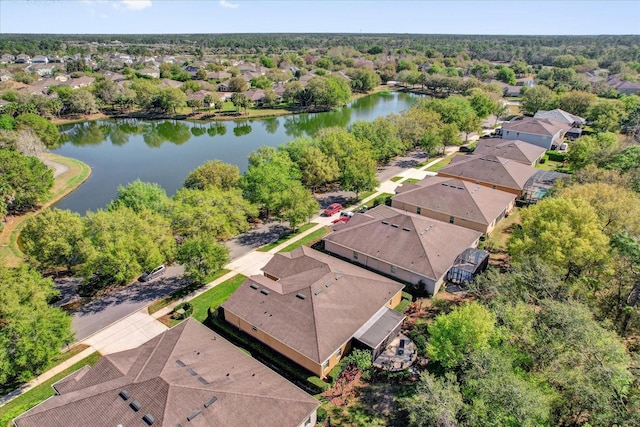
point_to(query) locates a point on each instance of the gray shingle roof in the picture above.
(513, 149)
(490, 169)
(171, 376)
(317, 304)
(533, 126)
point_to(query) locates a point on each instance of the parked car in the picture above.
(156, 272)
(332, 209)
(341, 220)
(346, 214)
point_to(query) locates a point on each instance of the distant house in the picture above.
(455, 201)
(218, 75)
(255, 95)
(311, 307)
(490, 171)
(171, 83)
(79, 82)
(544, 133)
(410, 247)
(151, 72)
(43, 70)
(624, 87)
(517, 150)
(188, 376)
(23, 59)
(7, 58)
(39, 59)
(561, 116)
(224, 87)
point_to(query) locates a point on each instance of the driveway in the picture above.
(107, 309)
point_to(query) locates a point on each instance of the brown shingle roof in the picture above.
(514, 149)
(536, 126)
(335, 299)
(415, 243)
(491, 169)
(458, 198)
(170, 376)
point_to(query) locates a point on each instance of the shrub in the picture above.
(544, 159)
(182, 311)
(555, 156)
(316, 381)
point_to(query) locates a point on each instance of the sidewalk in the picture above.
(139, 327)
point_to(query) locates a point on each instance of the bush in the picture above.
(555, 156)
(544, 159)
(182, 311)
(316, 381)
(383, 199)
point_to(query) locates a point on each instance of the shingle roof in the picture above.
(560, 116)
(317, 304)
(170, 376)
(513, 149)
(490, 169)
(458, 198)
(416, 243)
(536, 126)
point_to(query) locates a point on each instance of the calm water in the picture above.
(120, 151)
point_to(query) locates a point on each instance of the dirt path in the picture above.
(69, 174)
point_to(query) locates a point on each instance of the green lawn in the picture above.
(183, 292)
(37, 394)
(549, 165)
(308, 239)
(442, 163)
(281, 240)
(396, 178)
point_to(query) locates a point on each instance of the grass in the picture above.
(38, 394)
(183, 292)
(396, 178)
(549, 165)
(502, 232)
(64, 184)
(309, 239)
(282, 239)
(404, 302)
(442, 163)
(210, 299)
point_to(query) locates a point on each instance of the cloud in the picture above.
(225, 3)
(136, 4)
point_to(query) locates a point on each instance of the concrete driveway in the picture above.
(110, 308)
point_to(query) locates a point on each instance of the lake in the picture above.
(120, 151)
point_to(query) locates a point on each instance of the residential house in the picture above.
(410, 247)
(456, 201)
(624, 87)
(39, 59)
(255, 95)
(43, 70)
(491, 171)
(224, 87)
(7, 58)
(188, 376)
(542, 132)
(561, 116)
(23, 59)
(311, 308)
(151, 72)
(508, 90)
(79, 82)
(513, 149)
(171, 83)
(218, 75)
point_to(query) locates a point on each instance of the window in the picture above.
(325, 365)
(394, 270)
(418, 210)
(339, 352)
(355, 255)
(253, 328)
(451, 219)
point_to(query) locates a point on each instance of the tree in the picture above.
(364, 80)
(54, 238)
(240, 101)
(106, 90)
(329, 92)
(261, 82)
(317, 168)
(606, 115)
(139, 195)
(123, 244)
(576, 102)
(7, 122)
(456, 335)
(202, 257)
(32, 333)
(82, 101)
(537, 98)
(26, 180)
(238, 84)
(482, 103)
(297, 205)
(146, 92)
(506, 75)
(591, 149)
(382, 135)
(46, 131)
(358, 172)
(213, 173)
(436, 401)
(564, 233)
(201, 74)
(212, 213)
(169, 99)
(194, 104)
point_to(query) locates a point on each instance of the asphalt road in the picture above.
(105, 310)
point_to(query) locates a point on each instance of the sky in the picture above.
(560, 17)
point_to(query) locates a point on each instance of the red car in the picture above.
(332, 209)
(341, 220)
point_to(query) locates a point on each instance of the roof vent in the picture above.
(210, 402)
(253, 286)
(406, 229)
(444, 184)
(135, 405)
(318, 292)
(338, 276)
(301, 296)
(203, 381)
(192, 372)
(149, 419)
(264, 291)
(394, 225)
(193, 414)
(385, 222)
(329, 283)
(124, 394)
(180, 363)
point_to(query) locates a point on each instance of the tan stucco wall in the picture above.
(472, 225)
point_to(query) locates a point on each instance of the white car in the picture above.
(158, 271)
